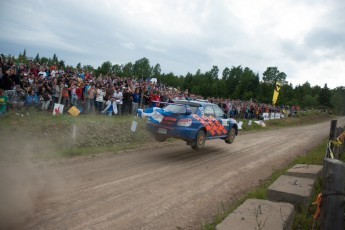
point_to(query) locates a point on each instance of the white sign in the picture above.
(239, 124)
(134, 126)
(271, 116)
(58, 109)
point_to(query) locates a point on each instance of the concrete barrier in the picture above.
(305, 171)
(259, 214)
(294, 190)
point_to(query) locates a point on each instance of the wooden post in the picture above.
(332, 135)
(332, 207)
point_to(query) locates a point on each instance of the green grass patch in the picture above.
(44, 135)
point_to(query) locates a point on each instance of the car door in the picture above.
(222, 124)
(212, 117)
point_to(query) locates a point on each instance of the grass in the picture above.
(62, 136)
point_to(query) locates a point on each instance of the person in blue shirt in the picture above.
(31, 99)
(136, 100)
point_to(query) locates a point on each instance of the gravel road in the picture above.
(167, 186)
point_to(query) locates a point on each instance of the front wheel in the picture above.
(200, 140)
(230, 138)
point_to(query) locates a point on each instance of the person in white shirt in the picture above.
(100, 93)
(118, 97)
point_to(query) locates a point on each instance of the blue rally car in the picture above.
(192, 121)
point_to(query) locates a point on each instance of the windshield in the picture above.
(179, 109)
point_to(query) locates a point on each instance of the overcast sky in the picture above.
(305, 39)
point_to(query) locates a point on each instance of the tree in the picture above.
(141, 68)
(105, 68)
(156, 71)
(61, 64)
(226, 74)
(337, 100)
(127, 70)
(273, 75)
(325, 96)
(213, 73)
(37, 58)
(43, 60)
(116, 69)
(78, 67)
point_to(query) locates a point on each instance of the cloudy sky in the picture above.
(305, 39)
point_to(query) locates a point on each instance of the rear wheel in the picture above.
(160, 138)
(200, 140)
(231, 136)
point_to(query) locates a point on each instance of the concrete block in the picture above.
(259, 214)
(294, 190)
(305, 171)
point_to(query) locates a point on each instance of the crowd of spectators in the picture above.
(39, 86)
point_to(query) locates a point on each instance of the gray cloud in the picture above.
(181, 36)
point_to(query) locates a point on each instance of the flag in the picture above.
(276, 93)
(154, 114)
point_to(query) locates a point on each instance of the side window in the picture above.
(218, 111)
(208, 111)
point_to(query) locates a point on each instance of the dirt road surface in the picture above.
(169, 186)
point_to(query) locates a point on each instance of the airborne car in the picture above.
(192, 121)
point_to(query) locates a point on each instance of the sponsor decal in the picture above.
(212, 124)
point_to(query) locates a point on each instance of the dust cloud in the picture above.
(24, 178)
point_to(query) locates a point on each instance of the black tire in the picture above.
(160, 138)
(231, 136)
(200, 140)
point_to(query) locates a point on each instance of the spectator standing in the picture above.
(79, 93)
(90, 97)
(100, 93)
(16, 98)
(45, 97)
(6, 81)
(65, 96)
(155, 98)
(136, 100)
(146, 97)
(127, 101)
(74, 97)
(3, 102)
(118, 97)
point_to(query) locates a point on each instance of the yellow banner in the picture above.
(276, 93)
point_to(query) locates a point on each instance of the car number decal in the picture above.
(212, 125)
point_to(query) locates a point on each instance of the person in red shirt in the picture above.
(155, 98)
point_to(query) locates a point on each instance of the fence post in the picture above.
(332, 208)
(332, 135)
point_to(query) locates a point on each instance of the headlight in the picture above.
(185, 122)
